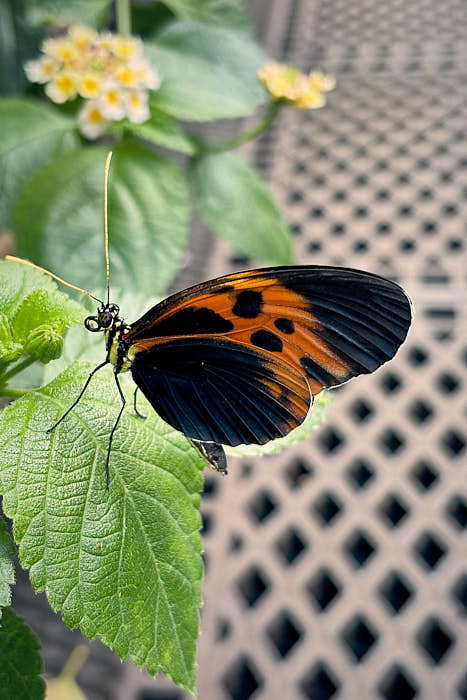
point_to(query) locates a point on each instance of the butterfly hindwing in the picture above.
(238, 359)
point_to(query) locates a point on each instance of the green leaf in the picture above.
(60, 213)
(236, 203)
(18, 42)
(21, 664)
(31, 136)
(225, 13)
(125, 564)
(29, 299)
(316, 416)
(7, 572)
(90, 12)
(208, 72)
(163, 130)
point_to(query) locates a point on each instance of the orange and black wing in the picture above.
(238, 359)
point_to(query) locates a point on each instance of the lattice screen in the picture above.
(338, 568)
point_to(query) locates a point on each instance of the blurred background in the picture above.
(337, 569)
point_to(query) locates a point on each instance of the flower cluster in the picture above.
(108, 70)
(298, 89)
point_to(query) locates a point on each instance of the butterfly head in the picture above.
(107, 315)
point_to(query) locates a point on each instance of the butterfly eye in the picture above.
(92, 324)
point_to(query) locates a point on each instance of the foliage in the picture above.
(123, 564)
(21, 664)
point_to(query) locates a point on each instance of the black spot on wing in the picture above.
(193, 321)
(248, 304)
(285, 325)
(266, 340)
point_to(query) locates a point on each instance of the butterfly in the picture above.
(239, 359)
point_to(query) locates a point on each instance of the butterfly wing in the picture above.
(239, 358)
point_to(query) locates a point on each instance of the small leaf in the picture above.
(59, 218)
(57, 12)
(236, 203)
(163, 130)
(208, 72)
(125, 564)
(316, 416)
(7, 572)
(31, 136)
(21, 664)
(29, 299)
(225, 13)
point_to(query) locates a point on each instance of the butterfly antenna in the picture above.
(12, 258)
(106, 221)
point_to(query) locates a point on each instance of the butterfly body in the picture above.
(238, 359)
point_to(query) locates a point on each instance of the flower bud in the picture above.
(44, 343)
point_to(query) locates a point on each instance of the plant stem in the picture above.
(123, 12)
(244, 136)
(17, 369)
(14, 393)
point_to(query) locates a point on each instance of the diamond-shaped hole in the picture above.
(327, 507)
(462, 687)
(252, 585)
(390, 383)
(361, 410)
(430, 550)
(331, 440)
(298, 473)
(235, 542)
(392, 442)
(284, 633)
(359, 637)
(424, 475)
(456, 509)
(420, 411)
(448, 383)
(207, 521)
(459, 592)
(360, 548)
(453, 443)
(360, 473)
(223, 629)
(393, 510)
(396, 592)
(324, 588)
(435, 639)
(242, 679)
(159, 695)
(262, 506)
(210, 487)
(417, 356)
(290, 545)
(397, 684)
(320, 683)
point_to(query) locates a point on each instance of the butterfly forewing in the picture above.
(237, 359)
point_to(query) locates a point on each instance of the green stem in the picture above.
(14, 393)
(18, 368)
(123, 13)
(244, 136)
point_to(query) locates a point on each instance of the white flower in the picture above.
(42, 70)
(91, 120)
(81, 36)
(62, 50)
(126, 76)
(146, 75)
(111, 101)
(126, 47)
(89, 85)
(61, 88)
(137, 109)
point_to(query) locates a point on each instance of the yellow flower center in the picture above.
(65, 84)
(113, 97)
(95, 116)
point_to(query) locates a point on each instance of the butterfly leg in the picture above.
(140, 415)
(112, 432)
(96, 369)
(213, 453)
